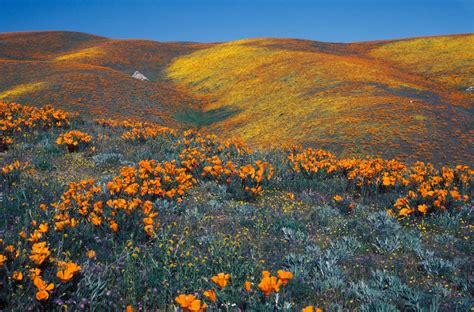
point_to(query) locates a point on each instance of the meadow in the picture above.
(126, 214)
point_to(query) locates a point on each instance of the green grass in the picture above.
(198, 118)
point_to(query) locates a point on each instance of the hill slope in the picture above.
(391, 98)
(368, 96)
(91, 74)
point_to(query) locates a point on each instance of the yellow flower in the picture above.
(221, 279)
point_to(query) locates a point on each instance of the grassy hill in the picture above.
(402, 98)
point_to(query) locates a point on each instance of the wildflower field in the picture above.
(126, 214)
(402, 99)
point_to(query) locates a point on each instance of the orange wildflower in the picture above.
(268, 284)
(423, 208)
(247, 286)
(211, 294)
(190, 303)
(91, 254)
(221, 279)
(39, 253)
(43, 288)
(284, 276)
(67, 271)
(17, 276)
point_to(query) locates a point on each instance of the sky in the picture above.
(225, 20)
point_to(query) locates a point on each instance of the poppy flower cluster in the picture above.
(39, 260)
(137, 130)
(433, 190)
(208, 158)
(271, 284)
(190, 303)
(424, 188)
(74, 140)
(8, 172)
(268, 285)
(16, 118)
(250, 176)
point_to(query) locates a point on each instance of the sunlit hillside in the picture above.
(402, 98)
(375, 97)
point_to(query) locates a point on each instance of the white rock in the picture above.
(470, 89)
(139, 76)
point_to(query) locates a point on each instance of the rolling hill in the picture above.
(404, 98)
(92, 75)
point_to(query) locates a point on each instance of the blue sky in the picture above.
(212, 20)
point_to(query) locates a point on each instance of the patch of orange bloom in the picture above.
(16, 118)
(426, 188)
(190, 303)
(271, 284)
(67, 270)
(73, 140)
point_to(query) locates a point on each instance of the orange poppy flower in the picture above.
(211, 294)
(221, 279)
(17, 276)
(247, 286)
(284, 276)
(43, 289)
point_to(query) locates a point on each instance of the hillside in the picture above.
(370, 97)
(91, 74)
(402, 98)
